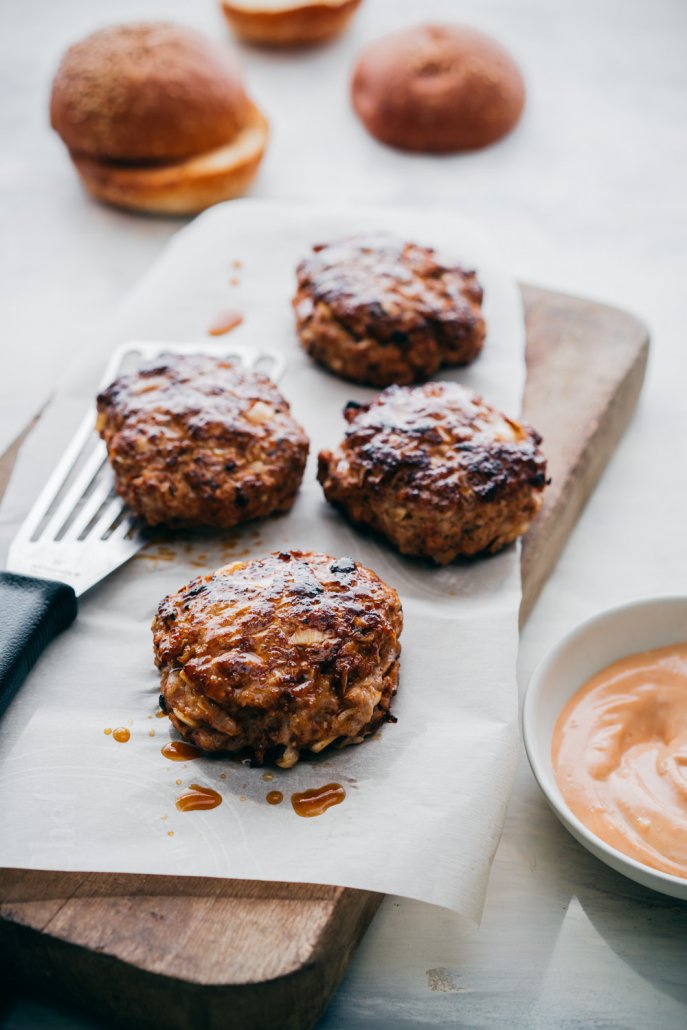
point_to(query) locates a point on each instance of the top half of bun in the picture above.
(437, 88)
(149, 91)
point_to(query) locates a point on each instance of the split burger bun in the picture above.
(437, 89)
(288, 22)
(156, 118)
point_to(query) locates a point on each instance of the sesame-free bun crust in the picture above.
(149, 91)
(288, 23)
(437, 89)
(183, 187)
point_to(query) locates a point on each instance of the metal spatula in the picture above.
(79, 530)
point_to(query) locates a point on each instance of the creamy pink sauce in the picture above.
(619, 753)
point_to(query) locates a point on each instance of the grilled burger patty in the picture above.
(296, 650)
(437, 471)
(380, 311)
(196, 440)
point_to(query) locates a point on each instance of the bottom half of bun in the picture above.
(181, 187)
(296, 23)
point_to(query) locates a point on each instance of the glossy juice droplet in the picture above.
(197, 798)
(107, 731)
(275, 797)
(121, 734)
(180, 751)
(225, 322)
(318, 800)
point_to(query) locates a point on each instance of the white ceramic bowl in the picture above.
(588, 649)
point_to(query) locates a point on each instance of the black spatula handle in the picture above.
(32, 612)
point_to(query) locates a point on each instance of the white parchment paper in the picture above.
(425, 800)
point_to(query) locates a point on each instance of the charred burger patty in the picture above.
(380, 311)
(293, 651)
(196, 440)
(437, 471)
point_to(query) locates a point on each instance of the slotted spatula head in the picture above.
(79, 530)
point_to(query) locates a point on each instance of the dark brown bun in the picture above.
(437, 89)
(156, 118)
(291, 23)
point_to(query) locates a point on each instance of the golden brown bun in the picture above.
(152, 91)
(291, 23)
(183, 187)
(437, 89)
(156, 118)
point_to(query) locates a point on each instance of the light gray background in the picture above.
(589, 196)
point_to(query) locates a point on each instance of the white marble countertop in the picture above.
(588, 196)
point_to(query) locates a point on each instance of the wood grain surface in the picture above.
(185, 952)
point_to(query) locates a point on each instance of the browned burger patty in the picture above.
(437, 471)
(378, 310)
(195, 440)
(296, 650)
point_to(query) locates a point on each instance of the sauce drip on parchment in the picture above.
(274, 797)
(121, 734)
(316, 801)
(180, 751)
(225, 322)
(197, 798)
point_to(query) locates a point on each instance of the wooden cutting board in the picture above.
(185, 951)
